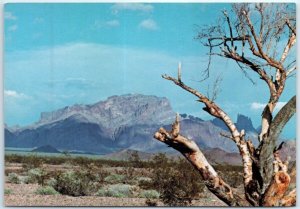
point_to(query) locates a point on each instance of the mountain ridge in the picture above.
(119, 122)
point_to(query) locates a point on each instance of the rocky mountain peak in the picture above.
(117, 111)
(242, 122)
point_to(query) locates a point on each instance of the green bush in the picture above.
(14, 178)
(114, 178)
(46, 190)
(32, 161)
(7, 191)
(75, 183)
(177, 181)
(36, 175)
(149, 194)
(116, 190)
(145, 183)
(51, 182)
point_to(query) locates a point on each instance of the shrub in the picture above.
(135, 160)
(32, 161)
(7, 191)
(47, 190)
(36, 175)
(51, 182)
(14, 178)
(116, 190)
(114, 178)
(75, 183)
(151, 203)
(145, 183)
(150, 194)
(177, 181)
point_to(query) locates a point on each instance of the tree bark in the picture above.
(190, 150)
(268, 145)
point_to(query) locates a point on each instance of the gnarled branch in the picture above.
(267, 146)
(190, 150)
(279, 183)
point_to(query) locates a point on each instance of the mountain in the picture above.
(242, 122)
(46, 149)
(219, 156)
(104, 127)
(118, 123)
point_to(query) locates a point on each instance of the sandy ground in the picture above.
(23, 195)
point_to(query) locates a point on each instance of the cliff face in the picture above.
(120, 122)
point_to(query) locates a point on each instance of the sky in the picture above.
(56, 55)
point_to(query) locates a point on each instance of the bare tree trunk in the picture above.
(193, 154)
(267, 146)
(266, 179)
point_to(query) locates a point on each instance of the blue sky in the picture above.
(61, 54)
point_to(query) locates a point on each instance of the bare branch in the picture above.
(193, 154)
(226, 135)
(292, 69)
(293, 29)
(261, 54)
(211, 107)
(230, 29)
(289, 45)
(179, 71)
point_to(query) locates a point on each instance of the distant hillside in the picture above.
(46, 149)
(125, 122)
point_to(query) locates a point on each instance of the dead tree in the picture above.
(252, 36)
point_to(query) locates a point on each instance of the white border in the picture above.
(2, 2)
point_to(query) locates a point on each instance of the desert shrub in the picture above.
(14, 178)
(7, 191)
(151, 203)
(116, 190)
(32, 161)
(46, 190)
(75, 183)
(135, 160)
(36, 175)
(129, 172)
(114, 178)
(233, 175)
(145, 183)
(142, 178)
(177, 181)
(51, 182)
(150, 194)
(233, 178)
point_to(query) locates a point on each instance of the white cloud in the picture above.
(132, 7)
(113, 23)
(257, 106)
(9, 16)
(13, 28)
(148, 24)
(110, 23)
(14, 94)
(261, 106)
